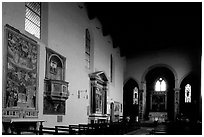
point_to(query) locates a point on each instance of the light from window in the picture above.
(33, 18)
(87, 49)
(188, 93)
(160, 85)
(111, 68)
(135, 95)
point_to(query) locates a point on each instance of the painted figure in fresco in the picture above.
(21, 71)
(53, 67)
(11, 95)
(22, 93)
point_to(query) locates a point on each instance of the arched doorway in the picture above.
(190, 97)
(159, 103)
(130, 100)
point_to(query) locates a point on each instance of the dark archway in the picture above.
(150, 79)
(191, 109)
(130, 109)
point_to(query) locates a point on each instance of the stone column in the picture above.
(142, 100)
(151, 101)
(176, 102)
(141, 112)
(166, 101)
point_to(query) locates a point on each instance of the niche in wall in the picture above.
(21, 75)
(56, 88)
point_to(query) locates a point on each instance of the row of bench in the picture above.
(90, 129)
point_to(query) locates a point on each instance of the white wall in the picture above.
(65, 34)
(179, 60)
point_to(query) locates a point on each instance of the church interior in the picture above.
(101, 68)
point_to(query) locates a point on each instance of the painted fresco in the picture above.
(21, 71)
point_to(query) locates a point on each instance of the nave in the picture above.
(180, 127)
(172, 128)
(101, 68)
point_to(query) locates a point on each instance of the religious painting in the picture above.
(117, 111)
(53, 67)
(158, 103)
(99, 100)
(21, 70)
(116, 108)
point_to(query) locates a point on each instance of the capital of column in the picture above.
(177, 89)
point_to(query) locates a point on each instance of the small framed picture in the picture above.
(53, 67)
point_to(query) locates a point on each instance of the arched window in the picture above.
(188, 93)
(160, 85)
(135, 95)
(88, 49)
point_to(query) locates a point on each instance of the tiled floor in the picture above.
(141, 131)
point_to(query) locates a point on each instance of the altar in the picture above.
(158, 106)
(158, 116)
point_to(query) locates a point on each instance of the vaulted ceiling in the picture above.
(140, 26)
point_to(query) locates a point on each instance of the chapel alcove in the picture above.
(189, 97)
(159, 103)
(130, 100)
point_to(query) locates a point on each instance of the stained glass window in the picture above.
(33, 18)
(87, 49)
(188, 93)
(160, 85)
(135, 95)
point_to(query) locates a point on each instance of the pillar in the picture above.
(166, 101)
(151, 102)
(142, 100)
(141, 112)
(176, 102)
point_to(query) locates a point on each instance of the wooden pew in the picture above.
(74, 129)
(86, 129)
(47, 131)
(64, 130)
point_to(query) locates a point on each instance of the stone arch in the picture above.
(143, 87)
(191, 109)
(130, 109)
(160, 65)
(180, 81)
(125, 81)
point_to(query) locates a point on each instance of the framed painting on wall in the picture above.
(21, 74)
